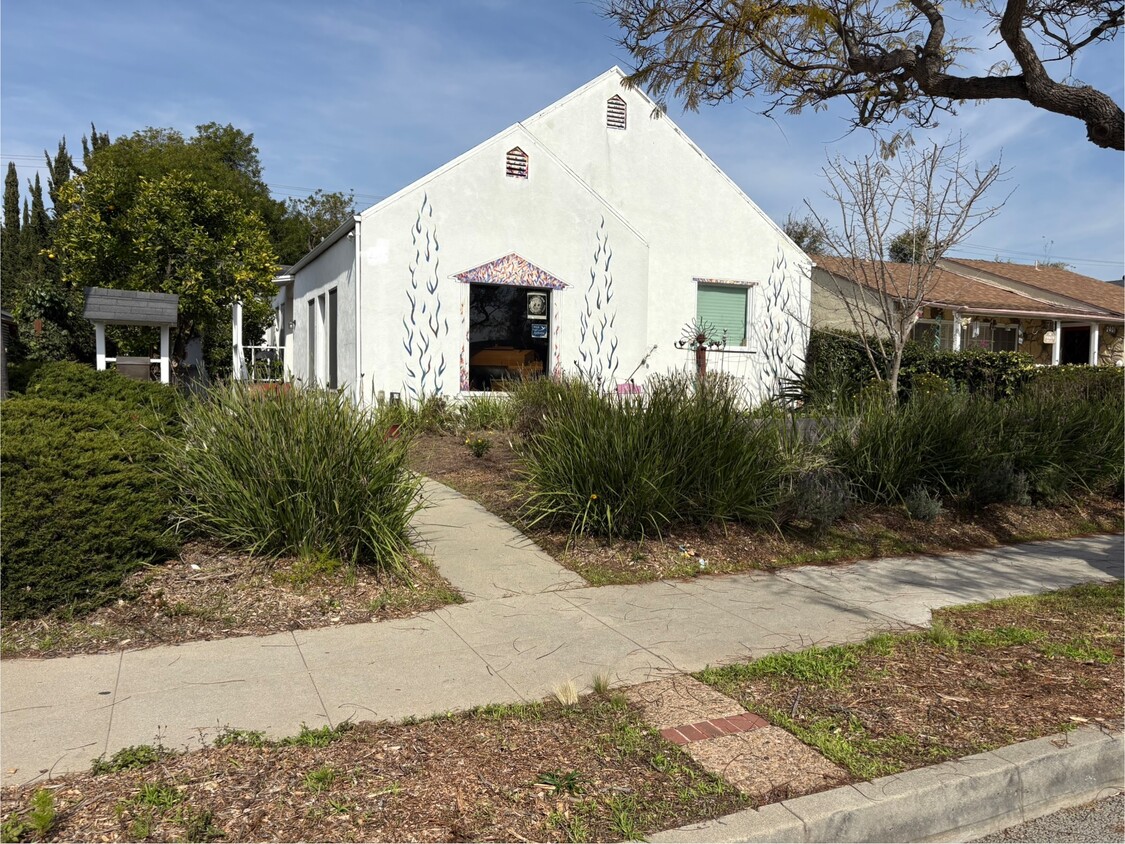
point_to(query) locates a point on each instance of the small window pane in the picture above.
(724, 309)
(1004, 338)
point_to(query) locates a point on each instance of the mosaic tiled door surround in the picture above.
(510, 270)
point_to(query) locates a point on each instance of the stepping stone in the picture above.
(668, 703)
(759, 760)
(767, 763)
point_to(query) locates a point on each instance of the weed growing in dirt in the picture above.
(158, 795)
(569, 782)
(229, 736)
(200, 825)
(499, 711)
(136, 756)
(479, 446)
(320, 779)
(321, 737)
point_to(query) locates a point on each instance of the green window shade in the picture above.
(724, 308)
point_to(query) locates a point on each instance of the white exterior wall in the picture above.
(698, 222)
(626, 219)
(469, 214)
(335, 268)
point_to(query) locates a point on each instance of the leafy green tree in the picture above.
(308, 221)
(889, 60)
(912, 246)
(806, 233)
(173, 234)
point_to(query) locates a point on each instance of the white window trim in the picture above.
(748, 286)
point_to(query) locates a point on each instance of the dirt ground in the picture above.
(212, 593)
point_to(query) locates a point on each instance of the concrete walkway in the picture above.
(525, 633)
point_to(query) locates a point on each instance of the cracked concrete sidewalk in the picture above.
(530, 625)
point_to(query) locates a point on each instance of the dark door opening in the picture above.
(509, 334)
(1075, 344)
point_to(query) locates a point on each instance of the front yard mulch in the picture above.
(210, 593)
(984, 676)
(539, 772)
(865, 532)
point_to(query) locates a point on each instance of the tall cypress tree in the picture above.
(36, 235)
(59, 171)
(10, 257)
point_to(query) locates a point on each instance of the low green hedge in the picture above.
(81, 507)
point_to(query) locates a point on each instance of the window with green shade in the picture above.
(724, 307)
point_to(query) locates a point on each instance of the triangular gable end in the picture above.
(511, 270)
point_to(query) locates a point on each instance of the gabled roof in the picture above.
(511, 270)
(1054, 280)
(946, 289)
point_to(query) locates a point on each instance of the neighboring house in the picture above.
(969, 304)
(574, 241)
(1098, 339)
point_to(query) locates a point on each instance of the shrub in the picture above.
(1083, 383)
(922, 505)
(628, 466)
(296, 471)
(81, 508)
(886, 449)
(1030, 447)
(488, 413)
(820, 496)
(999, 483)
(996, 375)
(66, 381)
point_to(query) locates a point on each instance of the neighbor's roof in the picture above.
(946, 288)
(1100, 294)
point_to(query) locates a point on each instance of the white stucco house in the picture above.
(582, 240)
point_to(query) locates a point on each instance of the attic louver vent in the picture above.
(615, 110)
(516, 166)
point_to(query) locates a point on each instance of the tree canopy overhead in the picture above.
(890, 60)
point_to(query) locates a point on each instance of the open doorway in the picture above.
(1075, 344)
(509, 333)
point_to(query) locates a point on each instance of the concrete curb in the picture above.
(954, 801)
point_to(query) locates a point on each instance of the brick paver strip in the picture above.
(673, 735)
(715, 728)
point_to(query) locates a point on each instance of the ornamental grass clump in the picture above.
(296, 471)
(629, 466)
(1021, 450)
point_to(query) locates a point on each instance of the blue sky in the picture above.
(370, 96)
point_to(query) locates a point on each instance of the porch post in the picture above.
(165, 354)
(1056, 353)
(1094, 343)
(99, 341)
(956, 331)
(238, 363)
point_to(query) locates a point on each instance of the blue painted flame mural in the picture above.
(597, 346)
(425, 327)
(779, 336)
